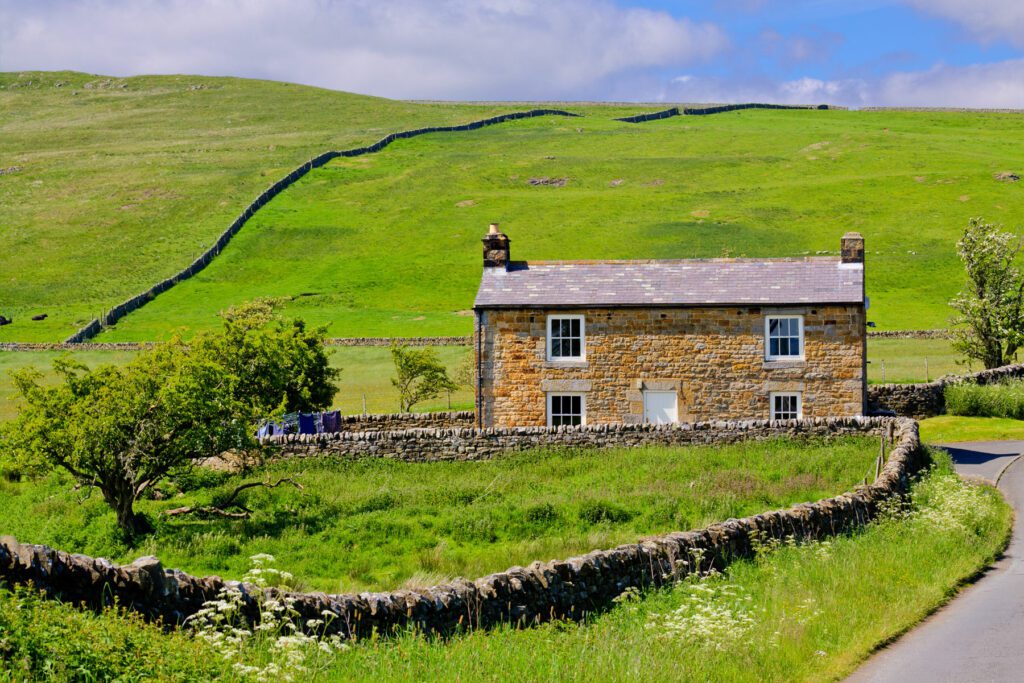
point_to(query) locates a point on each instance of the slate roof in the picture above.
(696, 282)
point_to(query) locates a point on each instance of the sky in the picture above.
(857, 53)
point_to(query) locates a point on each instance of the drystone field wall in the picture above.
(542, 591)
(138, 346)
(704, 111)
(204, 259)
(929, 399)
(909, 334)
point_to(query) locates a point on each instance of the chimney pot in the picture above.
(852, 248)
(497, 252)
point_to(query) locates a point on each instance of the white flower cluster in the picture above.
(274, 648)
(714, 613)
(953, 504)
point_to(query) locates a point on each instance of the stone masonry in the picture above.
(713, 357)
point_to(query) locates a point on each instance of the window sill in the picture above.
(784, 364)
(565, 364)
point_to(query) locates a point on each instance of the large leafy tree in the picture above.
(121, 429)
(989, 325)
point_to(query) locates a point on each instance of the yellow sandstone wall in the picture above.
(713, 357)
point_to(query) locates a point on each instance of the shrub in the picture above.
(598, 511)
(989, 400)
(545, 513)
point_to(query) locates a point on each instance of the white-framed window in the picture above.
(567, 409)
(784, 337)
(786, 405)
(566, 338)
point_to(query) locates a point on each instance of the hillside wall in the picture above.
(522, 595)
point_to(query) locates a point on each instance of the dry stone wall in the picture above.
(540, 592)
(929, 399)
(401, 421)
(704, 111)
(117, 312)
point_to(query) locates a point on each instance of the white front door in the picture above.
(660, 407)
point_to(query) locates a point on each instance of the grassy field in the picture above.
(907, 361)
(117, 183)
(365, 372)
(389, 244)
(804, 613)
(378, 524)
(121, 181)
(953, 428)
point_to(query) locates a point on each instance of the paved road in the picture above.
(979, 636)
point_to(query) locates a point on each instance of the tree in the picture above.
(420, 375)
(121, 429)
(281, 366)
(989, 325)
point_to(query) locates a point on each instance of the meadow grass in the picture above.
(390, 244)
(799, 613)
(381, 524)
(953, 428)
(366, 372)
(1003, 399)
(806, 612)
(121, 183)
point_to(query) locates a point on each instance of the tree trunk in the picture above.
(122, 499)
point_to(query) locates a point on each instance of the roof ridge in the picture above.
(620, 262)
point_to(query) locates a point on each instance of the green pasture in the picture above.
(390, 244)
(381, 524)
(797, 613)
(118, 183)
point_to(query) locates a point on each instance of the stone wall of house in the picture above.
(929, 399)
(521, 595)
(713, 357)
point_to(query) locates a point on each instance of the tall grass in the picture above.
(379, 524)
(795, 613)
(1005, 399)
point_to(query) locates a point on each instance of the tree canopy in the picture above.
(121, 429)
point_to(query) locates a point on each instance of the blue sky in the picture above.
(855, 53)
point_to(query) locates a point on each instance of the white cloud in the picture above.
(507, 49)
(987, 19)
(999, 85)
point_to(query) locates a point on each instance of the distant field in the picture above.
(906, 361)
(120, 183)
(364, 372)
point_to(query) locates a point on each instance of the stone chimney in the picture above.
(496, 248)
(852, 248)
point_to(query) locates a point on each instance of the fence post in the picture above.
(926, 377)
(883, 372)
(364, 404)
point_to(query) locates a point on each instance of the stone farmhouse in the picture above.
(604, 342)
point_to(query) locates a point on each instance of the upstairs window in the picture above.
(566, 409)
(784, 337)
(786, 406)
(566, 337)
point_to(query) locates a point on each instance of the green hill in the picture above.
(111, 185)
(120, 186)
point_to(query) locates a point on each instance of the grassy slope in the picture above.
(387, 245)
(119, 186)
(904, 360)
(123, 180)
(380, 524)
(818, 610)
(953, 428)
